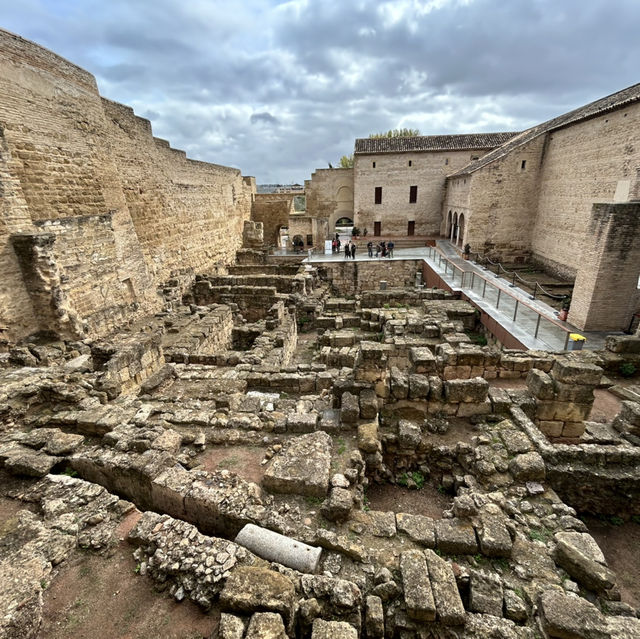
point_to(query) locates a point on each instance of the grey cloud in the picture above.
(265, 118)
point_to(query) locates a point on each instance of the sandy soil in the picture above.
(426, 501)
(243, 460)
(94, 596)
(605, 407)
(620, 545)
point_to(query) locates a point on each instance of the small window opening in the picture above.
(378, 195)
(523, 165)
(413, 194)
(446, 161)
(410, 163)
(374, 165)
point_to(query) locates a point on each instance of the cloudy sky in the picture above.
(278, 89)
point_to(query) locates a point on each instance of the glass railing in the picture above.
(503, 298)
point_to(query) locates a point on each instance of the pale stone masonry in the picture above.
(96, 212)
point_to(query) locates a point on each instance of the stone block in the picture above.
(374, 617)
(514, 606)
(456, 537)
(562, 411)
(540, 384)
(368, 404)
(622, 344)
(338, 505)
(579, 554)
(574, 372)
(573, 393)
(573, 429)
(630, 413)
(527, 467)
(266, 625)
(302, 467)
(570, 617)
(409, 434)
(418, 528)
(418, 387)
(418, 595)
(493, 534)
(551, 428)
(231, 627)
(422, 360)
(472, 409)
(31, 464)
(500, 401)
(350, 410)
(302, 422)
(466, 390)
(485, 593)
(399, 383)
(250, 588)
(449, 608)
(322, 629)
(368, 437)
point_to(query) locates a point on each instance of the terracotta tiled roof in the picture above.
(463, 142)
(593, 109)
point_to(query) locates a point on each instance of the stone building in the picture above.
(399, 182)
(563, 194)
(96, 212)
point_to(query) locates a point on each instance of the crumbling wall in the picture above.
(273, 210)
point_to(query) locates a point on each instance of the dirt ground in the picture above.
(605, 407)
(243, 460)
(95, 596)
(306, 348)
(620, 545)
(426, 501)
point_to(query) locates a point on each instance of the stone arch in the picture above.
(449, 222)
(461, 229)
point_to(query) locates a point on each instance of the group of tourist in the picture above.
(384, 249)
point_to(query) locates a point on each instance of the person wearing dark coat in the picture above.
(370, 248)
(353, 250)
(347, 251)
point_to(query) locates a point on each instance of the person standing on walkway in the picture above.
(353, 250)
(334, 245)
(378, 249)
(390, 246)
(347, 251)
(370, 248)
(383, 245)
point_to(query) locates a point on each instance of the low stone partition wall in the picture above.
(290, 284)
(564, 397)
(126, 362)
(205, 331)
(593, 478)
(401, 296)
(351, 277)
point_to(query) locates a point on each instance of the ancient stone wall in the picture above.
(330, 195)
(67, 155)
(187, 214)
(591, 161)
(350, 277)
(392, 172)
(273, 210)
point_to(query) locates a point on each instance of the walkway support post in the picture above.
(535, 335)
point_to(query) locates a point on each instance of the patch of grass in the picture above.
(366, 504)
(540, 534)
(43, 584)
(635, 519)
(418, 478)
(627, 369)
(85, 570)
(313, 501)
(477, 338)
(519, 592)
(69, 472)
(480, 559)
(501, 563)
(614, 520)
(342, 446)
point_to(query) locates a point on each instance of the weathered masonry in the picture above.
(96, 212)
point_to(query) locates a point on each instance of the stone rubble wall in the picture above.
(351, 277)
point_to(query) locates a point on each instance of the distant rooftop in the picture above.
(464, 142)
(593, 109)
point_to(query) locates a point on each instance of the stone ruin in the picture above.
(334, 397)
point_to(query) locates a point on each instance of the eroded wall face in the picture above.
(592, 161)
(67, 167)
(392, 172)
(329, 195)
(273, 210)
(187, 214)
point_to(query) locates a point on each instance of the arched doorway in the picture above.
(454, 228)
(460, 229)
(298, 243)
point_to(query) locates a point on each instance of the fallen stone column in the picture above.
(279, 548)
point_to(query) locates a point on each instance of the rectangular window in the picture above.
(374, 165)
(378, 195)
(309, 240)
(413, 194)
(523, 165)
(411, 228)
(446, 161)
(377, 228)
(410, 163)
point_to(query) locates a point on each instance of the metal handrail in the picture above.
(536, 285)
(500, 290)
